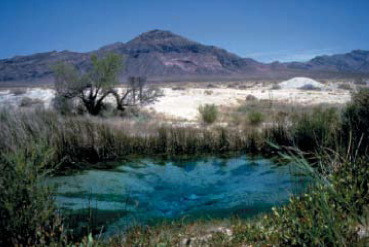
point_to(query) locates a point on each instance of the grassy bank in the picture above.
(93, 139)
(79, 140)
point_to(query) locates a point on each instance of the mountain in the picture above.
(163, 55)
(356, 61)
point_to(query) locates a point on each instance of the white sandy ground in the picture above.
(183, 104)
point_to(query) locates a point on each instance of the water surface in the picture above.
(146, 190)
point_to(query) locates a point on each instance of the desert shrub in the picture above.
(209, 113)
(233, 85)
(255, 118)
(251, 97)
(359, 81)
(136, 113)
(18, 91)
(316, 130)
(178, 88)
(345, 86)
(243, 87)
(208, 92)
(28, 102)
(211, 85)
(64, 105)
(355, 122)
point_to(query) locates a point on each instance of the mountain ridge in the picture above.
(167, 56)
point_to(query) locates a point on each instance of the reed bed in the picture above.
(93, 139)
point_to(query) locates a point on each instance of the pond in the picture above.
(147, 190)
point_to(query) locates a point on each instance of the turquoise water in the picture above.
(145, 190)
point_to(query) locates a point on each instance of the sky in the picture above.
(266, 30)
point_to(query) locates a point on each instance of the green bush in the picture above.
(255, 118)
(63, 105)
(355, 122)
(315, 131)
(18, 91)
(27, 212)
(28, 102)
(209, 113)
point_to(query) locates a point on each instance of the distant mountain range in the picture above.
(163, 55)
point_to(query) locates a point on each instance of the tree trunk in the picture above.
(94, 108)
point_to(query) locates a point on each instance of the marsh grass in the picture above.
(79, 140)
(84, 139)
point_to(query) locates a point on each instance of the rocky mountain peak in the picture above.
(159, 37)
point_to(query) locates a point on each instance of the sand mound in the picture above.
(300, 82)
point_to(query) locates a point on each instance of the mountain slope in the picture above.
(356, 61)
(162, 54)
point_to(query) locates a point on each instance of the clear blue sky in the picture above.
(266, 30)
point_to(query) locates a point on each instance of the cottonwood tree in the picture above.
(95, 85)
(91, 87)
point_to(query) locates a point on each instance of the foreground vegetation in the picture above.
(334, 212)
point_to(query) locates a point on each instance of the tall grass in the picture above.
(85, 139)
(317, 129)
(93, 139)
(355, 122)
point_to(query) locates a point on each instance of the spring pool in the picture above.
(147, 190)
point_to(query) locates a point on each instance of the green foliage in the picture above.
(92, 87)
(316, 130)
(355, 122)
(27, 213)
(209, 113)
(105, 71)
(255, 118)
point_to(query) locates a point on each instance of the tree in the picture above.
(136, 93)
(92, 87)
